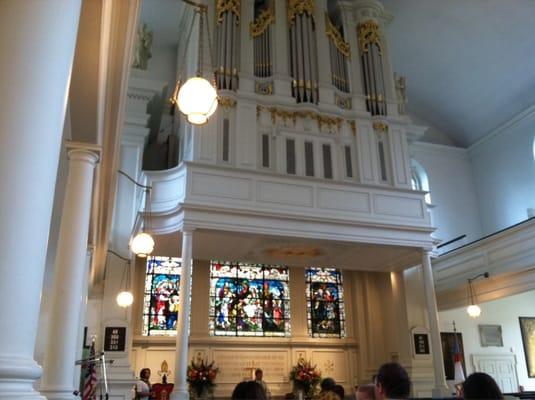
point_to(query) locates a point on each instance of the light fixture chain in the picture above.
(185, 57)
(201, 12)
(210, 54)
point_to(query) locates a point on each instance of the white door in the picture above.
(502, 367)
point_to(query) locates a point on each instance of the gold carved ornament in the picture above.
(223, 6)
(368, 33)
(353, 125)
(285, 115)
(227, 102)
(298, 7)
(336, 37)
(379, 126)
(260, 24)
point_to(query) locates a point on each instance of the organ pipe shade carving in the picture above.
(261, 32)
(370, 46)
(299, 7)
(227, 6)
(340, 54)
(303, 51)
(227, 41)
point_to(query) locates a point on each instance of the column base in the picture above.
(17, 377)
(179, 395)
(59, 394)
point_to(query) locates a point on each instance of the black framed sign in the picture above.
(421, 343)
(115, 338)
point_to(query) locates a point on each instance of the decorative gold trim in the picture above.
(227, 102)
(353, 126)
(379, 126)
(334, 34)
(223, 6)
(368, 33)
(260, 24)
(298, 7)
(343, 102)
(264, 88)
(287, 115)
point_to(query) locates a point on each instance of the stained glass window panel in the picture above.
(325, 302)
(160, 304)
(249, 299)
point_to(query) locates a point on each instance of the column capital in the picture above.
(83, 151)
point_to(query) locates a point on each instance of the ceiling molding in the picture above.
(503, 128)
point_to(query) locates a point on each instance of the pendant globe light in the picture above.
(473, 310)
(142, 244)
(125, 298)
(197, 98)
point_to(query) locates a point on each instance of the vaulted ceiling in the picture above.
(470, 64)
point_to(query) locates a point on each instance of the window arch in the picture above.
(325, 302)
(419, 179)
(160, 304)
(249, 299)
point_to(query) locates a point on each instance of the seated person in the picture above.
(481, 386)
(327, 392)
(340, 391)
(392, 382)
(365, 392)
(249, 390)
(259, 375)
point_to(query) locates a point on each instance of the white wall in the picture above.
(504, 173)
(452, 191)
(504, 312)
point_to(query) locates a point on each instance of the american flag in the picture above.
(90, 377)
(458, 360)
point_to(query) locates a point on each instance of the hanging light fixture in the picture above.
(473, 309)
(142, 244)
(197, 98)
(125, 298)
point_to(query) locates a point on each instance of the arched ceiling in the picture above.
(470, 64)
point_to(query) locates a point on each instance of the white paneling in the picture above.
(204, 184)
(246, 135)
(285, 194)
(343, 200)
(366, 153)
(332, 363)
(398, 206)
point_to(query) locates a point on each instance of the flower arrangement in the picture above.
(201, 377)
(305, 377)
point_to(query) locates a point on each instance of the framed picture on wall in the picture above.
(448, 345)
(490, 335)
(527, 329)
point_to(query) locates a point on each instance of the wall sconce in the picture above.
(473, 308)
(142, 244)
(197, 98)
(125, 298)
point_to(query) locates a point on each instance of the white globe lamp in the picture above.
(142, 244)
(125, 299)
(197, 100)
(473, 310)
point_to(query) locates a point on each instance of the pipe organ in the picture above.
(340, 54)
(303, 51)
(260, 30)
(227, 43)
(370, 46)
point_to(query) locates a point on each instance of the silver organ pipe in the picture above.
(260, 30)
(370, 46)
(340, 55)
(228, 21)
(303, 65)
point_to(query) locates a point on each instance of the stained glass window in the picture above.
(249, 299)
(160, 305)
(325, 302)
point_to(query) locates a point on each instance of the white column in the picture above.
(37, 41)
(69, 275)
(440, 389)
(180, 392)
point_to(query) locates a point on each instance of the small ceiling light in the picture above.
(197, 98)
(473, 310)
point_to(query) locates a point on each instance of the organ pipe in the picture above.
(370, 47)
(260, 30)
(303, 60)
(340, 55)
(228, 21)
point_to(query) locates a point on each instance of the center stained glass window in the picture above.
(325, 302)
(249, 299)
(160, 304)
